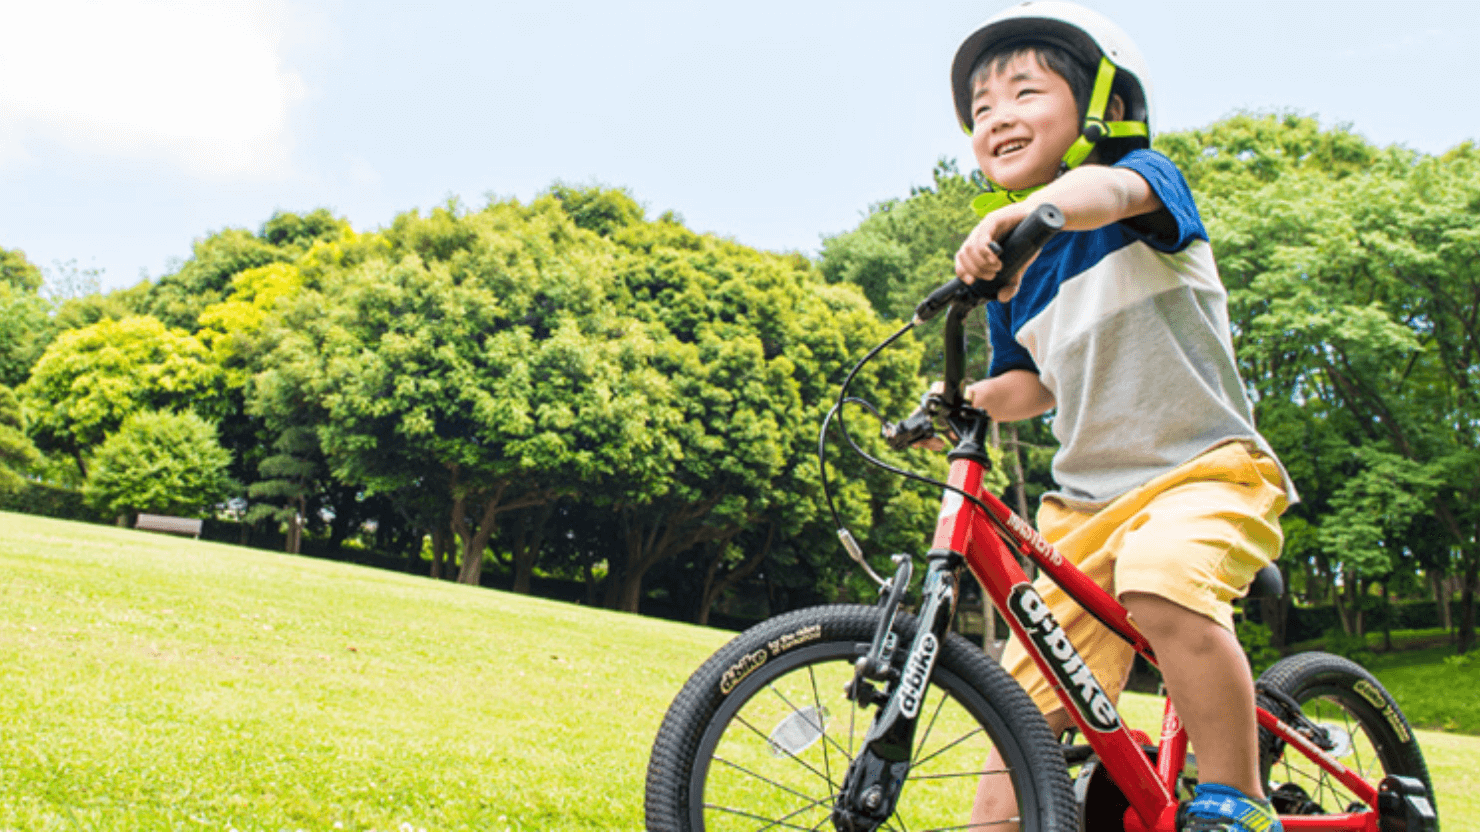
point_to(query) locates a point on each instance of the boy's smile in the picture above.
(1024, 119)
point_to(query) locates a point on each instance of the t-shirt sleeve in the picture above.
(1007, 353)
(1179, 224)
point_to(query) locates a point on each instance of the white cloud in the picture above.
(201, 83)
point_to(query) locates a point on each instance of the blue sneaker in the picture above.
(1216, 808)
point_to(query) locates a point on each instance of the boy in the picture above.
(1168, 496)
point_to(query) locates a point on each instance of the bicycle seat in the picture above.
(1267, 583)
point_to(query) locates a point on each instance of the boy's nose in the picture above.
(1000, 121)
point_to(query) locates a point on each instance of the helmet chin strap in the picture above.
(1094, 130)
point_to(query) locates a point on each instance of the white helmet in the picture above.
(1085, 34)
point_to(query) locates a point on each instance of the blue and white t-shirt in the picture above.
(1128, 327)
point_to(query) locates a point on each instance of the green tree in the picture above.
(25, 330)
(1353, 281)
(159, 462)
(476, 362)
(756, 346)
(178, 298)
(90, 380)
(904, 248)
(19, 273)
(17, 454)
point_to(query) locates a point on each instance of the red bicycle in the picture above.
(772, 732)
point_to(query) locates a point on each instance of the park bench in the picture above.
(166, 523)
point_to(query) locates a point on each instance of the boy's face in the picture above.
(1024, 118)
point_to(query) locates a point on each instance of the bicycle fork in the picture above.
(871, 787)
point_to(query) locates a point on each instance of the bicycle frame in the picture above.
(987, 542)
(963, 529)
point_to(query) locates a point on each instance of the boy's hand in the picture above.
(977, 259)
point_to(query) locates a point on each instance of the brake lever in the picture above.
(920, 425)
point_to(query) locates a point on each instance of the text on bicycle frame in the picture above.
(1029, 608)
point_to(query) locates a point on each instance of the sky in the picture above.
(131, 128)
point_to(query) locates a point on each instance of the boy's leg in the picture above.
(1208, 680)
(1197, 535)
(996, 805)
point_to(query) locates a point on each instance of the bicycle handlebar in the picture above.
(1021, 244)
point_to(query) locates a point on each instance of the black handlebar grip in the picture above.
(1021, 244)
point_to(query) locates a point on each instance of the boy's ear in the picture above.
(1115, 110)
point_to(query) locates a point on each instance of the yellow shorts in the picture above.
(1195, 536)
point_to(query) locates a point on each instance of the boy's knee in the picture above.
(1160, 619)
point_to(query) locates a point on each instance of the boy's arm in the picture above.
(1090, 197)
(1014, 395)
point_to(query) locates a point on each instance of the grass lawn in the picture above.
(149, 682)
(1434, 693)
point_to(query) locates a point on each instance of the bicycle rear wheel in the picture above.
(1361, 722)
(762, 734)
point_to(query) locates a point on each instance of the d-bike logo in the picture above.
(1029, 608)
(912, 686)
(752, 661)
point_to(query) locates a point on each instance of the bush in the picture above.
(1255, 639)
(164, 463)
(1351, 647)
(48, 500)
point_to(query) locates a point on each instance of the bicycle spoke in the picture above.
(822, 729)
(930, 726)
(825, 739)
(957, 775)
(953, 744)
(798, 760)
(771, 823)
(768, 781)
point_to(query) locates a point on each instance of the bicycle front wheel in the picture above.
(1359, 722)
(762, 734)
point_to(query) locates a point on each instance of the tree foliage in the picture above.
(162, 463)
(19, 273)
(90, 380)
(17, 453)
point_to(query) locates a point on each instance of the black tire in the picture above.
(715, 765)
(1374, 738)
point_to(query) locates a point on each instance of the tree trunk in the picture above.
(440, 548)
(474, 540)
(294, 543)
(1349, 606)
(1387, 618)
(589, 571)
(669, 533)
(713, 589)
(629, 592)
(1467, 608)
(1019, 479)
(528, 540)
(1440, 586)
